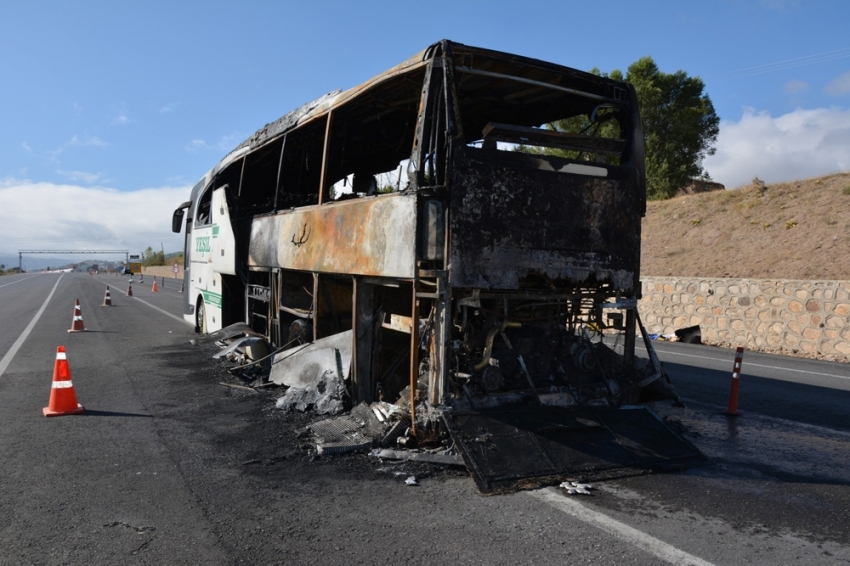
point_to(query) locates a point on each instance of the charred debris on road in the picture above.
(482, 310)
(524, 439)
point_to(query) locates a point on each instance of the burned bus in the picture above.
(468, 252)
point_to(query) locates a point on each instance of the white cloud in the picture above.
(121, 118)
(226, 143)
(168, 108)
(91, 141)
(83, 176)
(76, 141)
(197, 145)
(839, 86)
(37, 215)
(26, 147)
(797, 145)
(795, 87)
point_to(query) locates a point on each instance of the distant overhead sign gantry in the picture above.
(22, 252)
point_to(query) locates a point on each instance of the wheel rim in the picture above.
(200, 318)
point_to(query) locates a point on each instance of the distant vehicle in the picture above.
(128, 271)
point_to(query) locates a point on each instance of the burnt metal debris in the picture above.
(430, 245)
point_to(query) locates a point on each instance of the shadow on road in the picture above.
(96, 413)
(811, 404)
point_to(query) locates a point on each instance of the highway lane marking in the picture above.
(19, 280)
(631, 535)
(166, 313)
(746, 364)
(7, 359)
(787, 422)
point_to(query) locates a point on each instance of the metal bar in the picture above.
(422, 135)
(629, 345)
(414, 361)
(323, 177)
(297, 312)
(565, 140)
(432, 273)
(316, 306)
(539, 83)
(279, 167)
(440, 334)
(362, 314)
(241, 176)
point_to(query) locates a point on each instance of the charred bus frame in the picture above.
(425, 211)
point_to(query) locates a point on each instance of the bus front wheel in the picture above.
(200, 317)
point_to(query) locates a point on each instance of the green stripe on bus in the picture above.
(211, 298)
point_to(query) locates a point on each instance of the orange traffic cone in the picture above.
(63, 400)
(77, 322)
(129, 289)
(107, 300)
(154, 289)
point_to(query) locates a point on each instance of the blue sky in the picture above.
(111, 110)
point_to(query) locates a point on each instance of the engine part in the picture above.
(492, 378)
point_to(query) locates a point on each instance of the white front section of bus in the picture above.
(212, 253)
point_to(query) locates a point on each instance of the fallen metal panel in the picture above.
(526, 447)
(444, 459)
(303, 366)
(315, 375)
(515, 216)
(229, 332)
(239, 342)
(372, 236)
(339, 435)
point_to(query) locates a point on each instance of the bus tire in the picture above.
(200, 317)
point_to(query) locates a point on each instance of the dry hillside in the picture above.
(796, 230)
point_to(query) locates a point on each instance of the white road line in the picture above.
(7, 359)
(746, 364)
(19, 280)
(645, 542)
(166, 313)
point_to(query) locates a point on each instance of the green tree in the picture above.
(680, 126)
(151, 257)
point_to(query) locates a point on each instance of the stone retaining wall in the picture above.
(809, 318)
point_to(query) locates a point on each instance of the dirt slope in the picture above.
(796, 230)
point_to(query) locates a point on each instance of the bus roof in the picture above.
(324, 104)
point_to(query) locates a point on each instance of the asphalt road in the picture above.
(166, 466)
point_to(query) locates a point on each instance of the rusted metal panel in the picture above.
(513, 217)
(371, 236)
